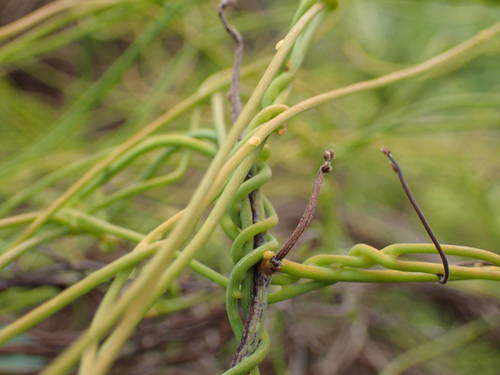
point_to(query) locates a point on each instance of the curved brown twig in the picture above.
(234, 91)
(308, 214)
(395, 166)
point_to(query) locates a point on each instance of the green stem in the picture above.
(418, 272)
(291, 291)
(96, 278)
(140, 293)
(20, 197)
(136, 311)
(67, 296)
(438, 60)
(76, 113)
(212, 84)
(150, 144)
(218, 117)
(47, 11)
(7, 257)
(253, 360)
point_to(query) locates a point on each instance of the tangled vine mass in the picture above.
(229, 196)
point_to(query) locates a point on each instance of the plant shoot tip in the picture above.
(328, 156)
(385, 151)
(392, 162)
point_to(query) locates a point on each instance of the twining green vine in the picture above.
(229, 195)
(253, 215)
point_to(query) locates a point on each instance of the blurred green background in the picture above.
(93, 74)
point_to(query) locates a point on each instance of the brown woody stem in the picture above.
(308, 214)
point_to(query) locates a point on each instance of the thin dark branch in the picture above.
(251, 328)
(253, 322)
(395, 166)
(308, 214)
(262, 274)
(234, 91)
(251, 332)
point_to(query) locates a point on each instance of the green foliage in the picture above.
(83, 169)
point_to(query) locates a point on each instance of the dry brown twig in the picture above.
(396, 168)
(308, 214)
(234, 91)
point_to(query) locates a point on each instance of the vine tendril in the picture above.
(396, 168)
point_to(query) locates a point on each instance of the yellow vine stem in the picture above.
(144, 299)
(113, 292)
(355, 267)
(140, 294)
(279, 120)
(384, 80)
(211, 85)
(197, 205)
(48, 11)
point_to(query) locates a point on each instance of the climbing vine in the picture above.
(229, 196)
